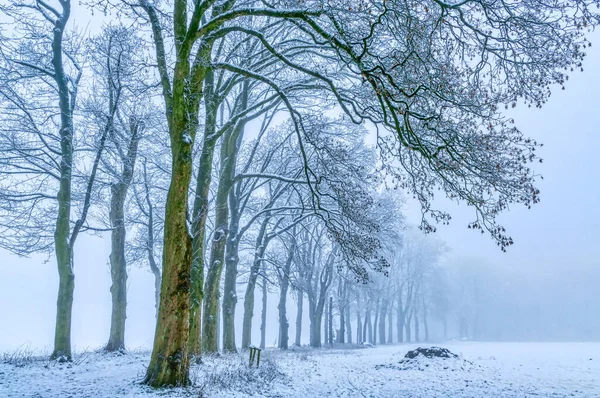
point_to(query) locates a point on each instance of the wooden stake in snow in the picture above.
(254, 353)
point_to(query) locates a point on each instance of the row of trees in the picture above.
(99, 133)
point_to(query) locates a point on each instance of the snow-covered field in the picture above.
(484, 370)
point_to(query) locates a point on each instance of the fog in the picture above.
(544, 288)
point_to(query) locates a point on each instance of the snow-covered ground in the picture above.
(484, 370)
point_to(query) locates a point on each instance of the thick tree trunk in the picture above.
(169, 364)
(407, 328)
(299, 315)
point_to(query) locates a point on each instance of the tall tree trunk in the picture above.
(390, 339)
(348, 326)
(330, 321)
(231, 271)
(425, 324)
(299, 311)
(232, 256)
(200, 215)
(63, 250)
(407, 328)
(359, 332)
(367, 331)
(169, 364)
(259, 251)
(284, 282)
(263, 317)
(217, 253)
(417, 336)
(150, 241)
(118, 270)
(118, 264)
(342, 336)
(400, 319)
(374, 328)
(382, 316)
(326, 324)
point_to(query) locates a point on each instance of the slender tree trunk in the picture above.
(259, 252)
(369, 325)
(342, 336)
(231, 270)
(200, 214)
(390, 339)
(326, 325)
(150, 241)
(299, 311)
(284, 283)
(359, 332)
(382, 316)
(407, 328)
(331, 321)
(263, 317)
(400, 319)
(63, 250)
(118, 264)
(348, 326)
(118, 270)
(425, 324)
(374, 329)
(417, 335)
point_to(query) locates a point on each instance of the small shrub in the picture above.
(233, 373)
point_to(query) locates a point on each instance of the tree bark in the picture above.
(260, 248)
(284, 282)
(299, 311)
(417, 330)
(390, 339)
(382, 316)
(200, 214)
(263, 317)
(63, 250)
(118, 264)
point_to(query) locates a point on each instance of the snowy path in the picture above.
(497, 370)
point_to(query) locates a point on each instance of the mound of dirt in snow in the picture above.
(431, 352)
(435, 358)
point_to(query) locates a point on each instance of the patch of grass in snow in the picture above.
(231, 372)
(23, 356)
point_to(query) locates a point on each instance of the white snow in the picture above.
(483, 370)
